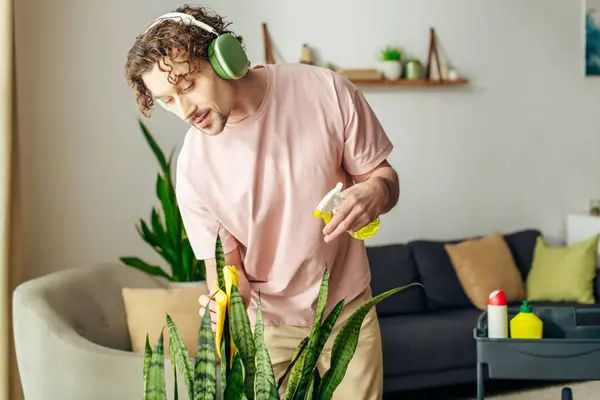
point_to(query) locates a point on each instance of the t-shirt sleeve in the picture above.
(366, 143)
(201, 225)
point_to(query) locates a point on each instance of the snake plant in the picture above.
(246, 372)
(165, 231)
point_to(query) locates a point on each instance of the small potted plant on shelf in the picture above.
(390, 65)
(165, 232)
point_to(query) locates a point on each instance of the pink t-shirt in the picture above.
(259, 181)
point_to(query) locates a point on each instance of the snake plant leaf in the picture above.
(153, 145)
(328, 325)
(205, 368)
(175, 385)
(297, 353)
(224, 369)
(147, 361)
(344, 345)
(181, 355)
(157, 388)
(295, 374)
(310, 362)
(234, 389)
(242, 338)
(220, 260)
(135, 262)
(265, 379)
(310, 390)
(324, 333)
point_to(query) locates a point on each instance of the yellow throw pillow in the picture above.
(146, 311)
(563, 274)
(483, 265)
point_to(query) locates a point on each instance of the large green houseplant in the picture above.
(246, 372)
(165, 231)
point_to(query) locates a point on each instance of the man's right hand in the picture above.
(205, 300)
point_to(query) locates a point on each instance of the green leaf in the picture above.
(162, 248)
(148, 236)
(344, 345)
(220, 259)
(234, 389)
(300, 352)
(174, 368)
(188, 260)
(265, 378)
(181, 355)
(328, 325)
(173, 223)
(310, 390)
(147, 361)
(224, 369)
(295, 375)
(297, 353)
(312, 352)
(157, 227)
(143, 266)
(242, 337)
(153, 145)
(157, 388)
(199, 268)
(205, 378)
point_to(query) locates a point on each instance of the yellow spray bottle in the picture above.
(332, 202)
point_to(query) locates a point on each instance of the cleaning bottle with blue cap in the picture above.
(332, 202)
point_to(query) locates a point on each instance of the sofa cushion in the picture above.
(486, 264)
(441, 285)
(445, 341)
(564, 273)
(393, 266)
(522, 246)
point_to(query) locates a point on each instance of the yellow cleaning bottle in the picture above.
(526, 325)
(332, 202)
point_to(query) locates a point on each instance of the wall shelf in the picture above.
(406, 82)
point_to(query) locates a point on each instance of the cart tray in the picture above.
(567, 350)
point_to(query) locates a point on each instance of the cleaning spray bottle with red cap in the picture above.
(497, 315)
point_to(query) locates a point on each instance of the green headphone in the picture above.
(225, 53)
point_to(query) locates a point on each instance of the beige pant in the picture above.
(364, 376)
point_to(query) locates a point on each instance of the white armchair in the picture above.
(71, 335)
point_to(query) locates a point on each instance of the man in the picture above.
(262, 151)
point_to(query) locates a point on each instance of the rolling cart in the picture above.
(568, 351)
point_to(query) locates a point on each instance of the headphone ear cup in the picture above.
(227, 57)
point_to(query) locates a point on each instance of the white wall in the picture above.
(519, 148)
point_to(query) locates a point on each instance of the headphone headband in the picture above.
(183, 18)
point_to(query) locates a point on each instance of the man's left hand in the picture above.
(363, 203)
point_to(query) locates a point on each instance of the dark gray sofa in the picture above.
(427, 332)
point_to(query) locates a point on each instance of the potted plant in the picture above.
(245, 370)
(390, 65)
(165, 232)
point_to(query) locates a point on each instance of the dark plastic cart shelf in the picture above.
(568, 351)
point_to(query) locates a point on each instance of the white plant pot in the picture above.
(186, 284)
(391, 70)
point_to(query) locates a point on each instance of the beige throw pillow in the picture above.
(146, 311)
(486, 264)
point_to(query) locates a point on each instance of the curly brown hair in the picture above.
(166, 42)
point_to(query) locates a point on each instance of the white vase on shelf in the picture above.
(390, 69)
